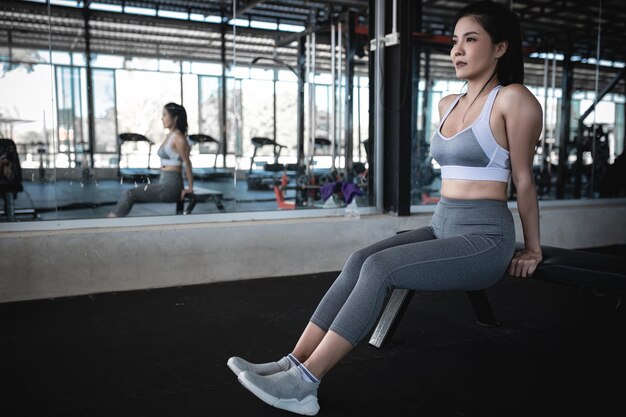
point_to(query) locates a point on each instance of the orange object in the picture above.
(280, 199)
(427, 199)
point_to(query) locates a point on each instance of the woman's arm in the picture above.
(182, 147)
(523, 121)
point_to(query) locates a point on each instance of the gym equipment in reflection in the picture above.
(204, 143)
(310, 187)
(596, 154)
(32, 148)
(425, 176)
(307, 185)
(270, 172)
(614, 182)
(41, 150)
(319, 176)
(580, 156)
(137, 174)
(200, 195)
(10, 177)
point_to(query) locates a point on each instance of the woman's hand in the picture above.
(184, 192)
(524, 263)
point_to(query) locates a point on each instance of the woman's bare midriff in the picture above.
(171, 168)
(474, 190)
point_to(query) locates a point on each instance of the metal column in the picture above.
(90, 98)
(399, 104)
(349, 97)
(301, 77)
(376, 17)
(566, 102)
(224, 118)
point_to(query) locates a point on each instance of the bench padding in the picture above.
(583, 268)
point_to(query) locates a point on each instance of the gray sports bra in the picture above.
(169, 157)
(473, 153)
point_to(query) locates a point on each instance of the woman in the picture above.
(485, 136)
(173, 152)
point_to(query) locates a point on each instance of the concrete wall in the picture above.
(62, 262)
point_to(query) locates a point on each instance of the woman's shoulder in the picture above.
(514, 97)
(446, 102)
(517, 93)
(178, 136)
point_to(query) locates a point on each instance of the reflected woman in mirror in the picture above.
(173, 152)
(486, 137)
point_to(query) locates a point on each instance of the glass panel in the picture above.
(210, 106)
(286, 119)
(105, 114)
(69, 112)
(140, 104)
(28, 120)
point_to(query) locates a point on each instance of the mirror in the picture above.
(264, 93)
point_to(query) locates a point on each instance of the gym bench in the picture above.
(586, 270)
(200, 195)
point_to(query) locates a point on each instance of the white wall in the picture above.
(71, 261)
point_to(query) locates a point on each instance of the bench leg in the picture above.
(180, 206)
(9, 206)
(192, 204)
(482, 309)
(399, 301)
(220, 206)
(391, 317)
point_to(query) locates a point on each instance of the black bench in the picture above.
(585, 270)
(200, 195)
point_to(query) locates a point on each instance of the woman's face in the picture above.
(167, 119)
(473, 53)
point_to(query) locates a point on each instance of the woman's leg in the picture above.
(474, 244)
(459, 263)
(343, 285)
(142, 193)
(329, 306)
(166, 190)
(454, 263)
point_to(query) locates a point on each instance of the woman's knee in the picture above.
(130, 193)
(358, 258)
(375, 270)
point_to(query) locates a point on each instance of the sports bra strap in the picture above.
(445, 115)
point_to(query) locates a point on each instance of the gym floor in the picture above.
(162, 352)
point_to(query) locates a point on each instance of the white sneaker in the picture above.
(285, 390)
(238, 365)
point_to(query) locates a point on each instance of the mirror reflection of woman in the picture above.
(486, 137)
(174, 151)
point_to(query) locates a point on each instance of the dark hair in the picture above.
(502, 25)
(177, 111)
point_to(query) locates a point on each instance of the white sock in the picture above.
(293, 361)
(306, 374)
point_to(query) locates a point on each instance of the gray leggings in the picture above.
(467, 245)
(167, 190)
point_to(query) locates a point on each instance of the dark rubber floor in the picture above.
(559, 352)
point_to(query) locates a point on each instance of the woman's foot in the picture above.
(238, 365)
(286, 390)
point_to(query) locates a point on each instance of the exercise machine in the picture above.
(270, 173)
(202, 141)
(134, 174)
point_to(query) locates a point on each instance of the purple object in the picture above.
(327, 190)
(349, 191)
